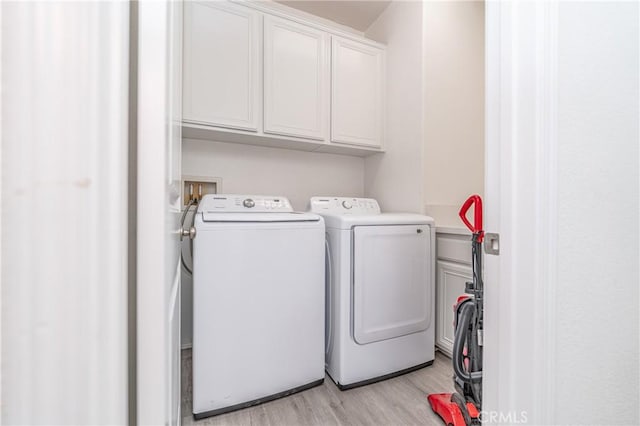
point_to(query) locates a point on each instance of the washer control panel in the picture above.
(232, 203)
(344, 205)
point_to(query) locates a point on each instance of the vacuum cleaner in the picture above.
(462, 408)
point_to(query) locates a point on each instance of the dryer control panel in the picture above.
(233, 203)
(344, 205)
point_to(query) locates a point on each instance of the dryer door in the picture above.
(391, 291)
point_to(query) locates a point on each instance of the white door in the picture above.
(64, 79)
(391, 281)
(222, 65)
(561, 342)
(357, 71)
(296, 76)
(158, 195)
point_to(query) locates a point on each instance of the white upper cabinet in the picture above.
(221, 84)
(357, 93)
(255, 74)
(296, 74)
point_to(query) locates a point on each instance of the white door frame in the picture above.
(520, 188)
(158, 205)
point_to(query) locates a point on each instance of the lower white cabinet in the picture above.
(451, 281)
(453, 271)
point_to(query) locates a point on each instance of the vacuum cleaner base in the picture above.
(442, 405)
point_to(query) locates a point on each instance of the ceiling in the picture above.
(355, 14)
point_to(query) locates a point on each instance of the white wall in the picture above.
(396, 177)
(598, 117)
(297, 175)
(454, 106)
(255, 170)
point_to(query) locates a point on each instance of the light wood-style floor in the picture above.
(398, 401)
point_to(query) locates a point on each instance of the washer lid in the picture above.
(349, 221)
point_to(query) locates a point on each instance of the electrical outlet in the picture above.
(196, 187)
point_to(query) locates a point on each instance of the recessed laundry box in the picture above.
(258, 302)
(380, 290)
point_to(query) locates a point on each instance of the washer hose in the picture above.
(193, 201)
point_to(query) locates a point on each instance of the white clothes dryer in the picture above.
(258, 302)
(380, 291)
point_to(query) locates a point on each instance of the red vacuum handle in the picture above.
(476, 201)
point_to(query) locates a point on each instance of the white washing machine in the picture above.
(380, 290)
(258, 302)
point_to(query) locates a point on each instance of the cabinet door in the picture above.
(296, 77)
(451, 281)
(221, 65)
(357, 93)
